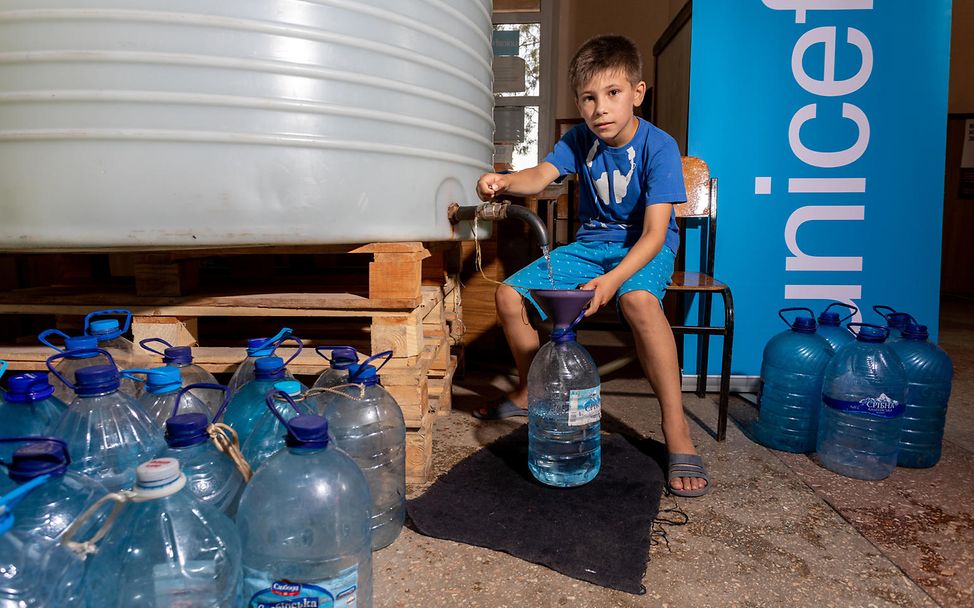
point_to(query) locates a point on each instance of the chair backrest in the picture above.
(700, 189)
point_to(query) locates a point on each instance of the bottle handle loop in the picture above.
(843, 304)
(791, 324)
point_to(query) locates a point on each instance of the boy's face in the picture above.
(606, 103)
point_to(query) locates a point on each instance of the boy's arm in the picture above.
(520, 183)
(655, 224)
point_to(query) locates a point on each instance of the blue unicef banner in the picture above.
(824, 122)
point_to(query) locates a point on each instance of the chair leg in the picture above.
(725, 365)
(703, 344)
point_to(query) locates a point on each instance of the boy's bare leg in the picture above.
(656, 349)
(521, 337)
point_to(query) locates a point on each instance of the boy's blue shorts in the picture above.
(577, 263)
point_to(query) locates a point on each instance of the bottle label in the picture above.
(881, 407)
(584, 406)
(338, 592)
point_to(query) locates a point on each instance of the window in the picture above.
(522, 82)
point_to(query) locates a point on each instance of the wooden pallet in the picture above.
(408, 304)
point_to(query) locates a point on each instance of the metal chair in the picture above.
(702, 204)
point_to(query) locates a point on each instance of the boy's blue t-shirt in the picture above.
(616, 184)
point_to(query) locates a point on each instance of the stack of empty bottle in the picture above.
(141, 470)
(865, 399)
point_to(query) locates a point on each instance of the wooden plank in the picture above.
(158, 275)
(441, 389)
(419, 455)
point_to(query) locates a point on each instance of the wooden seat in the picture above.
(702, 205)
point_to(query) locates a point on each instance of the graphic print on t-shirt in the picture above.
(620, 182)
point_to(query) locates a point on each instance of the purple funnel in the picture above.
(563, 305)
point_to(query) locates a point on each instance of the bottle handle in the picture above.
(129, 374)
(12, 498)
(204, 385)
(63, 354)
(882, 328)
(272, 396)
(356, 371)
(318, 350)
(879, 308)
(110, 313)
(44, 338)
(3, 367)
(843, 304)
(784, 310)
(297, 352)
(276, 340)
(143, 343)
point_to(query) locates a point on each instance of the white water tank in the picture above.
(192, 123)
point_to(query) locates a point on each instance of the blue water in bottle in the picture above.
(342, 358)
(212, 475)
(28, 407)
(107, 432)
(162, 386)
(830, 326)
(257, 348)
(792, 370)
(247, 405)
(863, 395)
(896, 321)
(304, 522)
(367, 424)
(79, 351)
(268, 434)
(929, 373)
(181, 358)
(167, 548)
(35, 571)
(564, 413)
(49, 509)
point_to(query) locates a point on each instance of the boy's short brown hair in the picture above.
(609, 52)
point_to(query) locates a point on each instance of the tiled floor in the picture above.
(778, 530)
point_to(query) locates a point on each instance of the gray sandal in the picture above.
(501, 409)
(687, 465)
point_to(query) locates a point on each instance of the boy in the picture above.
(629, 175)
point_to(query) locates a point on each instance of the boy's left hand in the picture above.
(605, 287)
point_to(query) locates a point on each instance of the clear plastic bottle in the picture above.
(792, 370)
(342, 358)
(830, 325)
(863, 397)
(79, 351)
(896, 321)
(929, 374)
(162, 385)
(48, 510)
(367, 424)
(247, 405)
(107, 432)
(257, 348)
(28, 407)
(268, 434)
(304, 522)
(564, 413)
(167, 548)
(35, 571)
(181, 357)
(212, 474)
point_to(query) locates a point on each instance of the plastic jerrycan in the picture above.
(863, 399)
(181, 357)
(162, 385)
(342, 358)
(304, 522)
(268, 434)
(28, 407)
(257, 348)
(367, 424)
(830, 325)
(792, 371)
(107, 432)
(896, 321)
(79, 351)
(247, 405)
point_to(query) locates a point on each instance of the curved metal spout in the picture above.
(502, 210)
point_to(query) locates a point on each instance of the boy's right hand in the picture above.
(490, 185)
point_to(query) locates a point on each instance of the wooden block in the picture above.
(402, 335)
(419, 455)
(396, 275)
(178, 331)
(441, 390)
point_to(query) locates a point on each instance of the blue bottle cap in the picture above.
(829, 318)
(363, 374)
(804, 325)
(95, 380)
(180, 355)
(184, 430)
(916, 332)
(103, 326)
(29, 388)
(307, 431)
(39, 458)
(867, 333)
(162, 380)
(254, 347)
(343, 357)
(291, 387)
(267, 368)
(81, 344)
(898, 320)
